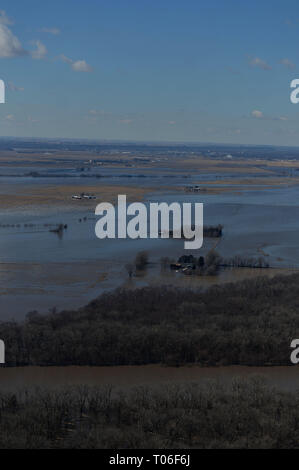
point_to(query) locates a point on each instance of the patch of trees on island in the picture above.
(208, 231)
(211, 264)
(139, 265)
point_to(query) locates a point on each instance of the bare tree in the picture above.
(141, 260)
(130, 269)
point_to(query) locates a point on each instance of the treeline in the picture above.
(140, 264)
(215, 261)
(243, 262)
(249, 323)
(212, 263)
(209, 231)
(243, 415)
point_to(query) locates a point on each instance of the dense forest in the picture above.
(250, 323)
(242, 415)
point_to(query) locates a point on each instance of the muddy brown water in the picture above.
(13, 379)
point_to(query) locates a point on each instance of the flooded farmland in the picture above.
(40, 270)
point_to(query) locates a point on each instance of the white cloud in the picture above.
(126, 121)
(260, 115)
(81, 66)
(257, 114)
(40, 52)
(66, 59)
(10, 46)
(77, 65)
(287, 63)
(12, 87)
(54, 31)
(95, 114)
(257, 62)
(4, 18)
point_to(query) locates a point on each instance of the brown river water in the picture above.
(125, 377)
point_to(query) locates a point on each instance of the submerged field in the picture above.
(255, 199)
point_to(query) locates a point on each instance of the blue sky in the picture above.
(154, 70)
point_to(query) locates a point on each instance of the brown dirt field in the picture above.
(61, 196)
(252, 181)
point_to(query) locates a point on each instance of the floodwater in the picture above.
(39, 270)
(125, 377)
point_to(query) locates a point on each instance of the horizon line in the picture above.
(146, 142)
